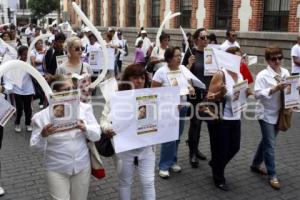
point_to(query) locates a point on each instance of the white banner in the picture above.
(145, 117)
(210, 63)
(227, 60)
(6, 111)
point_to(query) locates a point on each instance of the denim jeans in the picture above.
(168, 151)
(266, 149)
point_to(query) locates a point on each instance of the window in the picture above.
(23, 4)
(98, 13)
(155, 14)
(223, 14)
(132, 13)
(276, 15)
(185, 7)
(113, 10)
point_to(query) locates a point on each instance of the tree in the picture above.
(41, 8)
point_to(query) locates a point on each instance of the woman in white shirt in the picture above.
(158, 53)
(173, 74)
(224, 132)
(66, 155)
(143, 159)
(267, 89)
(74, 66)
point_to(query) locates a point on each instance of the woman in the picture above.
(163, 78)
(23, 95)
(74, 66)
(66, 155)
(224, 132)
(139, 57)
(142, 158)
(157, 55)
(37, 60)
(3, 48)
(268, 86)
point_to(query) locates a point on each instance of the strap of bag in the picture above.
(81, 70)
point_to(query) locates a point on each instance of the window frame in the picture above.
(227, 15)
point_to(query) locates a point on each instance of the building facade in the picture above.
(241, 15)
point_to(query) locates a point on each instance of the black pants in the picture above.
(225, 138)
(23, 102)
(1, 136)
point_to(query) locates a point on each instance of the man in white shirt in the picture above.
(231, 40)
(146, 42)
(29, 32)
(295, 56)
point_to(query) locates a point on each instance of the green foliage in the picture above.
(41, 8)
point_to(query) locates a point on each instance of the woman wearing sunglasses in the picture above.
(66, 155)
(74, 65)
(267, 89)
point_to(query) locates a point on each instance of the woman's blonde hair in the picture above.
(71, 41)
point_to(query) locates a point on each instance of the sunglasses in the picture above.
(205, 37)
(275, 58)
(79, 48)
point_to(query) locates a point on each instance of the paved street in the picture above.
(23, 178)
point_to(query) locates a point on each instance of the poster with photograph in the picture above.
(144, 117)
(111, 59)
(291, 94)
(239, 98)
(94, 60)
(6, 111)
(210, 64)
(177, 78)
(146, 114)
(64, 109)
(61, 59)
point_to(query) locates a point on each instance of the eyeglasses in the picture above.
(178, 55)
(79, 48)
(275, 58)
(204, 37)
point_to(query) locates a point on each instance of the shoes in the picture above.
(18, 128)
(28, 128)
(222, 186)
(274, 183)
(200, 155)
(258, 170)
(164, 174)
(176, 168)
(2, 191)
(194, 161)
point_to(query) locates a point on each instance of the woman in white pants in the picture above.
(66, 155)
(142, 159)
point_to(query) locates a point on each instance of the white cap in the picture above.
(144, 31)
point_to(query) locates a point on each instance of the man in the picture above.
(231, 40)
(56, 50)
(122, 51)
(29, 32)
(146, 43)
(195, 63)
(295, 55)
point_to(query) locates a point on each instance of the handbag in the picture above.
(285, 116)
(96, 163)
(104, 146)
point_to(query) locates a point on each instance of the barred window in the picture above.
(185, 7)
(98, 13)
(132, 13)
(223, 15)
(113, 9)
(155, 14)
(276, 15)
(84, 7)
(23, 4)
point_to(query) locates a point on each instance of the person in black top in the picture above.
(195, 63)
(56, 50)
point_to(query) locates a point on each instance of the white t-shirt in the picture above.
(38, 57)
(295, 52)
(93, 47)
(228, 44)
(159, 54)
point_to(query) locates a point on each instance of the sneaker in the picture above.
(274, 183)
(176, 168)
(164, 174)
(28, 128)
(18, 128)
(2, 191)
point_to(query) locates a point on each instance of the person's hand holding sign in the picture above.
(48, 130)
(191, 61)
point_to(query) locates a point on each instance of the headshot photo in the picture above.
(59, 111)
(142, 112)
(208, 59)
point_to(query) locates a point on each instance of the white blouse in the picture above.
(65, 152)
(268, 106)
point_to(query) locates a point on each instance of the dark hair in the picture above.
(21, 49)
(92, 35)
(60, 36)
(228, 32)
(131, 71)
(233, 50)
(271, 51)
(197, 33)
(140, 43)
(213, 37)
(12, 26)
(169, 53)
(164, 36)
(5, 32)
(57, 81)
